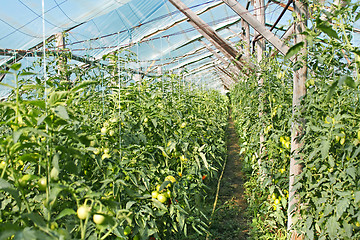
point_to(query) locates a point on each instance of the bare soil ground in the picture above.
(230, 218)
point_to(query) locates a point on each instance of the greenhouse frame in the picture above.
(180, 119)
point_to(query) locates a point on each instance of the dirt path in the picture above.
(229, 220)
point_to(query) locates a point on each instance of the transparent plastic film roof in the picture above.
(158, 33)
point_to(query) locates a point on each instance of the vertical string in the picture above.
(139, 67)
(120, 119)
(44, 50)
(48, 154)
(161, 68)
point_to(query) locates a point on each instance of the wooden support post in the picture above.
(260, 16)
(260, 48)
(246, 35)
(258, 26)
(137, 77)
(231, 67)
(209, 33)
(297, 129)
(60, 46)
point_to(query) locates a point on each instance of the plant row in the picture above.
(89, 154)
(328, 188)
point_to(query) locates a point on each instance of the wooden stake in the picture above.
(260, 48)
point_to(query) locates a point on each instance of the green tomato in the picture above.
(42, 184)
(96, 151)
(103, 130)
(24, 180)
(168, 194)
(98, 218)
(54, 225)
(106, 151)
(54, 174)
(273, 196)
(2, 164)
(111, 132)
(136, 237)
(154, 194)
(170, 179)
(162, 198)
(83, 212)
(104, 156)
(127, 230)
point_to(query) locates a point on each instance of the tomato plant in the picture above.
(93, 149)
(328, 187)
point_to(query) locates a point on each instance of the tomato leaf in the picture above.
(129, 204)
(158, 204)
(7, 85)
(325, 147)
(332, 227)
(294, 50)
(26, 73)
(357, 17)
(61, 112)
(65, 212)
(15, 66)
(36, 218)
(331, 90)
(341, 207)
(326, 28)
(203, 157)
(357, 196)
(83, 85)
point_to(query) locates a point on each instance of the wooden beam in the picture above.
(224, 78)
(224, 71)
(218, 46)
(232, 68)
(259, 27)
(282, 5)
(208, 32)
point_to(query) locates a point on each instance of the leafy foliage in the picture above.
(93, 138)
(328, 187)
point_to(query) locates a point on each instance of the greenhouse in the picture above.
(179, 119)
